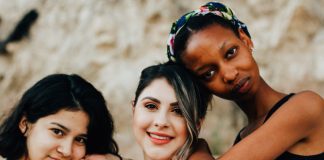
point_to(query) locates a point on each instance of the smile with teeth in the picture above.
(159, 138)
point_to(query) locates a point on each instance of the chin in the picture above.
(158, 155)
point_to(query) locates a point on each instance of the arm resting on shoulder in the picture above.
(297, 119)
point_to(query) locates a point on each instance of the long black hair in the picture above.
(50, 95)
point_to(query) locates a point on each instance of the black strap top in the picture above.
(285, 155)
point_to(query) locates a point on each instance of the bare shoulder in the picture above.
(300, 118)
(303, 112)
(308, 102)
(310, 95)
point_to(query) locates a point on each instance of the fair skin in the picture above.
(158, 125)
(101, 157)
(57, 136)
(225, 65)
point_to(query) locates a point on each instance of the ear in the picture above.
(23, 125)
(133, 106)
(246, 39)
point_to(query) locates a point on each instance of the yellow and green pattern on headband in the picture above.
(214, 8)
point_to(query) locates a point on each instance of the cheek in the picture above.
(181, 130)
(79, 152)
(141, 122)
(141, 119)
(248, 62)
(216, 86)
(40, 143)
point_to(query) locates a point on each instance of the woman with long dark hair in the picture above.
(60, 117)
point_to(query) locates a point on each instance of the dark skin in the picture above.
(225, 64)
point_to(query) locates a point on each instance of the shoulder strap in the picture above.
(238, 137)
(278, 105)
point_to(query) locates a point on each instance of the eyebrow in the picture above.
(152, 99)
(158, 101)
(201, 68)
(61, 126)
(222, 47)
(174, 104)
(67, 129)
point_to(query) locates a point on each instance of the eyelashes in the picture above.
(57, 132)
(81, 140)
(212, 70)
(155, 107)
(208, 75)
(151, 106)
(231, 52)
(177, 111)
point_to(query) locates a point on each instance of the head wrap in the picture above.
(215, 8)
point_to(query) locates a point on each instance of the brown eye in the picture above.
(81, 140)
(177, 110)
(230, 53)
(57, 132)
(151, 106)
(208, 75)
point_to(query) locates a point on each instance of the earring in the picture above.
(252, 50)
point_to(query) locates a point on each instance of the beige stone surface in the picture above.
(109, 41)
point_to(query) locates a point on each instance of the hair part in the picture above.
(193, 98)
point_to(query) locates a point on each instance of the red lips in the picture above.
(159, 138)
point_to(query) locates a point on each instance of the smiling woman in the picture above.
(44, 137)
(60, 117)
(168, 110)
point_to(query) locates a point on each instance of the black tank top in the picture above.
(285, 155)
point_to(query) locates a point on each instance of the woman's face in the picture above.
(58, 136)
(158, 125)
(223, 61)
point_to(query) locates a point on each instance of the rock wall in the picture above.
(110, 41)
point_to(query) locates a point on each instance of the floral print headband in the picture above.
(214, 8)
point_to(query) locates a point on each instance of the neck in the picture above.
(153, 158)
(259, 103)
(25, 157)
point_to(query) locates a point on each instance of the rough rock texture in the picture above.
(109, 41)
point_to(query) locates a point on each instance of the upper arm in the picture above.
(295, 120)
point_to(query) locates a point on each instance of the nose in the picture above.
(65, 148)
(161, 119)
(229, 73)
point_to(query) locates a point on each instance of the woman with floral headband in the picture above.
(217, 47)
